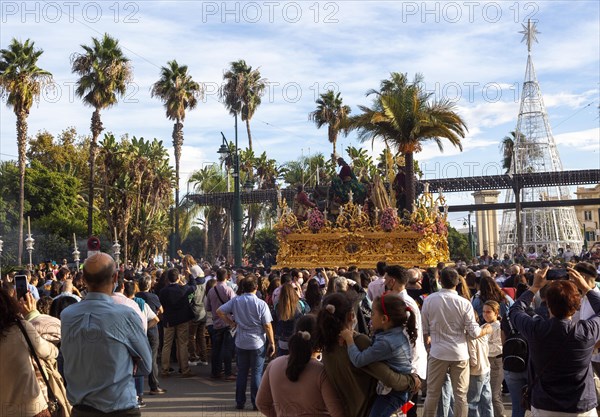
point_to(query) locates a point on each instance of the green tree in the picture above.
(67, 153)
(458, 244)
(53, 203)
(104, 72)
(265, 240)
(22, 80)
(179, 93)
(404, 116)
(305, 170)
(215, 220)
(242, 92)
(331, 112)
(138, 199)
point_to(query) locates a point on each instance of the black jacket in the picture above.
(175, 301)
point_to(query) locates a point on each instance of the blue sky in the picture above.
(467, 51)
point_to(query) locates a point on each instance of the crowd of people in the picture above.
(326, 341)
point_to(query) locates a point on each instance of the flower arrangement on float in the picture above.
(316, 220)
(389, 219)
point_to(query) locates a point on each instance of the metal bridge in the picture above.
(448, 185)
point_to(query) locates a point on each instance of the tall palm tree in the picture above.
(331, 112)
(507, 147)
(242, 92)
(405, 117)
(179, 93)
(104, 73)
(22, 80)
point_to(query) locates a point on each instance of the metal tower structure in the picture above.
(534, 151)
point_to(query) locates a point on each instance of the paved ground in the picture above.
(201, 396)
(198, 396)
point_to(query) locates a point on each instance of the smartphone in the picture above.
(557, 273)
(21, 285)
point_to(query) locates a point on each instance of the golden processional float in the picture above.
(358, 238)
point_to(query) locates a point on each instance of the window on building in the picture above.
(590, 236)
(587, 215)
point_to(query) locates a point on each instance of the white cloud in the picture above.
(583, 140)
(369, 40)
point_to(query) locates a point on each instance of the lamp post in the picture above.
(116, 252)
(29, 246)
(76, 253)
(471, 246)
(1, 243)
(237, 200)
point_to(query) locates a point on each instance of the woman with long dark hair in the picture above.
(21, 393)
(313, 295)
(489, 290)
(296, 384)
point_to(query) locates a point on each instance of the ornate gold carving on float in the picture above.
(356, 237)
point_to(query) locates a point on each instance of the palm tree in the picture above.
(104, 73)
(331, 112)
(242, 92)
(179, 93)
(405, 117)
(216, 221)
(507, 147)
(22, 80)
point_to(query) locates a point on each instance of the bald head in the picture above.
(99, 270)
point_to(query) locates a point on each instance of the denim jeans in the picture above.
(154, 341)
(222, 351)
(446, 403)
(386, 405)
(248, 361)
(515, 382)
(479, 396)
(139, 385)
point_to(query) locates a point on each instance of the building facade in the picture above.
(589, 216)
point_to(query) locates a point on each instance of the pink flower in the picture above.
(316, 220)
(389, 219)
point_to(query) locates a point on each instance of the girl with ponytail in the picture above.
(395, 330)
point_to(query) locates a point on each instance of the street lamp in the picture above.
(237, 200)
(471, 246)
(116, 252)
(1, 243)
(248, 185)
(29, 246)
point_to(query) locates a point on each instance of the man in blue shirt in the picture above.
(103, 345)
(252, 320)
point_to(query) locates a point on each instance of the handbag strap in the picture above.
(51, 396)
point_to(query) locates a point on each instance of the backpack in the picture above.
(196, 300)
(515, 351)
